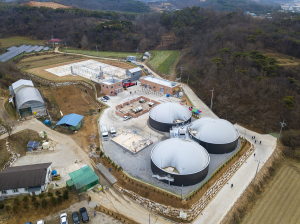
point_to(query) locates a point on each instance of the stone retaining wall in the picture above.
(58, 83)
(197, 207)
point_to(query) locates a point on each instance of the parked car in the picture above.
(40, 222)
(125, 118)
(75, 217)
(146, 69)
(103, 100)
(64, 218)
(142, 66)
(84, 214)
(28, 223)
(106, 97)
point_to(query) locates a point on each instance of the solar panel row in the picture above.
(15, 51)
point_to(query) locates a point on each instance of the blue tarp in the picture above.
(70, 119)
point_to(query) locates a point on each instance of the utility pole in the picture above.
(66, 47)
(97, 50)
(52, 40)
(282, 124)
(188, 78)
(212, 96)
(181, 72)
(137, 52)
(256, 171)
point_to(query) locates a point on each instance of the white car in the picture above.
(40, 222)
(103, 100)
(64, 218)
(125, 118)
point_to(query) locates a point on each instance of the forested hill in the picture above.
(111, 5)
(230, 5)
(225, 51)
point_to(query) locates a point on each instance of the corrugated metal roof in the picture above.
(26, 94)
(21, 82)
(70, 119)
(23, 176)
(169, 112)
(137, 69)
(83, 177)
(216, 131)
(186, 156)
(163, 82)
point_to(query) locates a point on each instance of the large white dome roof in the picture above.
(216, 131)
(186, 156)
(168, 112)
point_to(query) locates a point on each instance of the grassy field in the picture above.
(12, 41)
(103, 54)
(12, 112)
(284, 60)
(163, 60)
(280, 202)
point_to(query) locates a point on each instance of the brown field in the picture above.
(52, 5)
(284, 60)
(73, 99)
(280, 202)
(17, 143)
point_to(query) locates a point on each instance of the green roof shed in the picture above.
(84, 178)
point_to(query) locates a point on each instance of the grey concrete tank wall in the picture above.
(216, 148)
(165, 127)
(180, 180)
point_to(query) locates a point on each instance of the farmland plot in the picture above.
(280, 202)
(104, 54)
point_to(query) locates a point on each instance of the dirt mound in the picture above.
(52, 5)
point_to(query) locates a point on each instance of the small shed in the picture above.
(83, 179)
(134, 74)
(72, 121)
(131, 58)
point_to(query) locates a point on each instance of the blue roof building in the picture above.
(71, 120)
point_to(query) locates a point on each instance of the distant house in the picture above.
(28, 99)
(131, 58)
(72, 121)
(29, 179)
(53, 40)
(113, 85)
(134, 74)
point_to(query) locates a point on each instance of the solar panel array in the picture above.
(33, 144)
(15, 51)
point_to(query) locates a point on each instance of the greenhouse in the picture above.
(82, 179)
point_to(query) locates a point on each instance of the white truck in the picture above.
(104, 133)
(113, 132)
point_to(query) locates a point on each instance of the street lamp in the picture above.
(97, 50)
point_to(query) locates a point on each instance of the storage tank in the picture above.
(179, 162)
(217, 136)
(166, 115)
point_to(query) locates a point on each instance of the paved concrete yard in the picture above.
(139, 164)
(132, 141)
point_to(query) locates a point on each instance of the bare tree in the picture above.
(10, 127)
